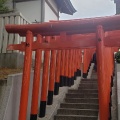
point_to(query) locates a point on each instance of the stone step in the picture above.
(75, 117)
(79, 105)
(87, 112)
(88, 86)
(81, 95)
(93, 81)
(89, 80)
(83, 91)
(81, 100)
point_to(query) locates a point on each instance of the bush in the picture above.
(3, 8)
(117, 56)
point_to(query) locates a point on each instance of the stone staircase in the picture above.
(80, 104)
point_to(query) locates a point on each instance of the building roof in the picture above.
(65, 6)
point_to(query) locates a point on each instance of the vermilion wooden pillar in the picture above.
(69, 68)
(36, 82)
(115, 49)
(109, 74)
(80, 58)
(69, 37)
(72, 66)
(51, 77)
(74, 63)
(77, 58)
(44, 84)
(85, 66)
(62, 68)
(63, 52)
(66, 68)
(101, 70)
(26, 77)
(57, 73)
(89, 59)
(79, 62)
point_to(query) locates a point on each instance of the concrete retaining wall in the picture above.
(118, 88)
(9, 109)
(10, 106)
(11, 60)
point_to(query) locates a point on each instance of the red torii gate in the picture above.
(100, 39)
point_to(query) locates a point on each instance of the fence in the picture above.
(15, 58)
(5, 38)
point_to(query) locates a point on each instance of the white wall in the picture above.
(31, 10)
(54, 5)
(49, 14)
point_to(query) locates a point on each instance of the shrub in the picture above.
(117, 56)
(3, 7)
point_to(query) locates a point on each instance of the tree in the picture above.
(3, 7)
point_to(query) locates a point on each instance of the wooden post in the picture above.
(85, 64)
(66, 68)
(69, 68)
(101, 70)
(77, 58)
(57, 73)
(44, 84)
(36, 82)
(26, 77)
(62, 71)
(51, 77)
(79, 62)
(72, 66)
(74, 60)
(62, 68)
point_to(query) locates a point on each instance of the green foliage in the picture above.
(117, 56)
(3, 8)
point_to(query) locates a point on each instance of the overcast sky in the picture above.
(91, 8)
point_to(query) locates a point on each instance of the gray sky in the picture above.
(91, 8)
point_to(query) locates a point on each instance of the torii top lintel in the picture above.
(78, 26)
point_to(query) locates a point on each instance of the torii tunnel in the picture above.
(65, 40)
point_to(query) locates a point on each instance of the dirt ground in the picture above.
(4, 72)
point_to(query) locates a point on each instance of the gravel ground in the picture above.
(4, 72)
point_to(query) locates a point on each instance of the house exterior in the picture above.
(38, 10)
(117, 2)
(41, 10)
